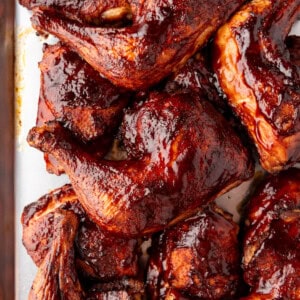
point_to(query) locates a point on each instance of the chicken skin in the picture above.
(163, 36)
(57, 277)
(74, 94)
(181, 154)
(84, 11)
(262, 83)
(86, 103)
(198, 76)
(118, 290)
(196, 259)
(98, 254)
(272, 239)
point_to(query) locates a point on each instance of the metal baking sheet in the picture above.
(7, 149)
(31, 178)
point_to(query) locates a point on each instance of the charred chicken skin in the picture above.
(180, 156)
(196, 259)
(84, 11)
(163, 36)
(57, 277)
(99, 255)
(272, 239)
(262, 84)
(74, 94)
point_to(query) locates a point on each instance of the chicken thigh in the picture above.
(196, 259)
(272, 238)
(261, 80)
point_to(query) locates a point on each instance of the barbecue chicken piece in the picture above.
(56, 277)
(272, 239)
(84, 11)
(181, 154)
(99, 255)
(163, 36)
(98, 147)
(86, 103)
(197, 76)
(104, 256)
(73, 93)
(261, 83)
(117, 290)
(196, 259)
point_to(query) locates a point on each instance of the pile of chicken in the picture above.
(153, 109)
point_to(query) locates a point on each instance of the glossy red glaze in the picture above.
(180, 157)
(84, 11)
(74, 94)
(198, 76)
(104, 256)
(272, 238)
(85, 102)
(98, 254)
(262, 84)
(196, 259)
(163, 36)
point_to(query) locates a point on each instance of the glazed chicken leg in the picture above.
(85, 11)
(77, 96)
(164, 35)
(74, 94)
(181, 154)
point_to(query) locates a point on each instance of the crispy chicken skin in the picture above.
(262, 84)
(196, 259)
(99, 255)
(163, 36)
(272, 238)
(74, 94)
(57, 277)
(181, 154)
(84, 11)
